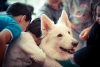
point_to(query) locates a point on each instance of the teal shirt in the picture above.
(67, 63)
(7, 22)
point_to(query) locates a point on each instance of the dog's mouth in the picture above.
(71, 51)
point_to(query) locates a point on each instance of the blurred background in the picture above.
(35, 3)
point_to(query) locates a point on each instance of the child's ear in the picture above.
(23, 18)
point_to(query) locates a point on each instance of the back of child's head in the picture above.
(35, 27)
(18, 8)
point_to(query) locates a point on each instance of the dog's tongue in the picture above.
(71, 51)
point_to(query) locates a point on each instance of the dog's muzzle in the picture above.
(72, 50)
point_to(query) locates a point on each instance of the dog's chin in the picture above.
(70, 51)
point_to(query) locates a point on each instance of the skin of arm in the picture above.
(5, 36)
(85, 33)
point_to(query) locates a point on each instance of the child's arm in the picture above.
(5, 36)
(85, 33)
(31, 48)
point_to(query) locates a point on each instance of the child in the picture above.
(24, 49)
(90, 55)
(81, 18)
(17, 18)
(52, 8)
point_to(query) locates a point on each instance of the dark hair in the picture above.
(31, 8)
(35, 27)
(18, 8)
(95, 7)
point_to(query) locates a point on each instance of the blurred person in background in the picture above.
(52, 8)
(4, 5)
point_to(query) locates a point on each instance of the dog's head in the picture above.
(57, 41)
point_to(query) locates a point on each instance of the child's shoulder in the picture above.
(5, 20)
(6, 17)
(95, 27)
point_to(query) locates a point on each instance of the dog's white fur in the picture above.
(56, 36)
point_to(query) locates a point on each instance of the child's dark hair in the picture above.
(95, 7)
(35, 27)
(31, 8)
(18, 8)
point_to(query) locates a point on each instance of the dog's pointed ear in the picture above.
(64, 19)
(46, 24)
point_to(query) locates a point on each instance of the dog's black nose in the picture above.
(75, 43)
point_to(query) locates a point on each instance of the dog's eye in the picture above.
(68, 32)
(59, 35)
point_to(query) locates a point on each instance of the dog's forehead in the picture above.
(61, 28)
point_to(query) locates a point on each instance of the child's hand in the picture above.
(39, 57)
(84, 34)
(36, 64)
(40, 62)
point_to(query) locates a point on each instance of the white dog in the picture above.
(57, 42)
